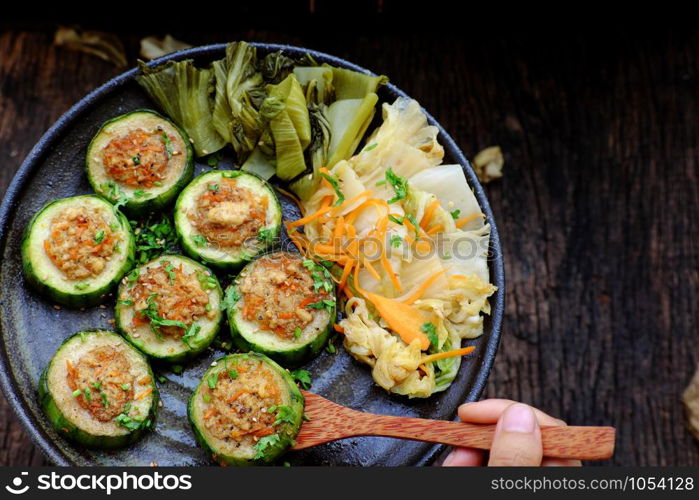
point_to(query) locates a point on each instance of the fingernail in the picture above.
(448, 461)
(519, 418)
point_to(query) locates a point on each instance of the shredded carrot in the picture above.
(406, 321)
(264, 432)
(338, 328)
(144, 380)
(235, 396)
(389, 270)
(144, 393)
(346, 271)
(423, 287)
(462, 222)
(372, 270)
(305, 220)
(448, 354)
(428, 214)
(435, 229)
(339, 228)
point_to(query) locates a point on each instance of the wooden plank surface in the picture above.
(597, 210)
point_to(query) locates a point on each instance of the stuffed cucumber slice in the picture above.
(170, 308)
(226, 217)
(76, 249)
(99, 390)
(140, 159)
(246, 410)
(282, 305)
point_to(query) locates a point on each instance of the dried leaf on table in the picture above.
(488, 164)
(152, 47)
(98, 43)
(691, 402)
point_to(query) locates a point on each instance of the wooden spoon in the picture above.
(330, 422)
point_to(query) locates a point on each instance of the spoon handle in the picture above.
(330, 422)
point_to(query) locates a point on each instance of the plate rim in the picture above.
(31, 162)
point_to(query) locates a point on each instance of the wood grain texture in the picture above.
(328, 421)
(597, 209)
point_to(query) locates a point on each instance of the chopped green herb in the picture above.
(105, 403)
(336, 187)
(331, 347)
(431, 332)
(139, 193)
(157, 184)
(161, 379)
(230, 300)
(206, 398)
(82, 286)
(170, 270)
(455, 214)
(286, 464)
(133, 275)
(212, 380)
(303, 377)
(371, 146)
(88, 393)
(233, 373)
(266, 234)
(177, 369)
(322, 304)
(131, 423)
(264, 443)
(153, 238)
(199, 240)
(396, 241)
(399, 185)
(207, 307)
(125, 302)
(230, 174)
(214, 159)
(213, 187)
(297, 333)
(284, 414)
(99, 237)
(395, 219)
(77, 392)
(126, 386)
(168, 146)
(136, 159)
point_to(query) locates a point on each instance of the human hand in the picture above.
(517, 439)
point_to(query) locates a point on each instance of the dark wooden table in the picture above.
(598, 209)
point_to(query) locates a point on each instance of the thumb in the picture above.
(517, 439)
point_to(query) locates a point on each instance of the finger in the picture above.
(517, 439)
(464, 457)
(560, 462)
(489, 410)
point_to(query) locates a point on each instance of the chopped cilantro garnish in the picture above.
(136, 159)
(395, 219)
(455, 214)
(139, 193)
(157, 321)
(230, 300)
(157, 183)
(131, 423)
(303, 377)
(133, 275)
(371, 146)
(153, 238)
(264, 443)
(125, 302)
(82, 286)
(266, 234)
(297, 333)
(88, 393)
(230, 174)
(399, 185)
(99, 237)
(199, 240)
(284, 414)
(213, 187)
(206, 397)
(105, 402)
(126, 386)
(77, 392)
(177, 369)
(396, 241)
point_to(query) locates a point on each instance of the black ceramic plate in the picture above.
(32, 328)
